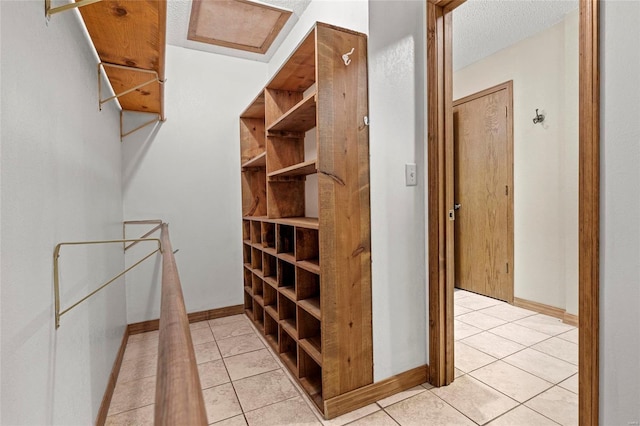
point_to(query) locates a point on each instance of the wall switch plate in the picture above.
(411, 175)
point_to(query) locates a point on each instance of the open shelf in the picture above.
(270, 329)
(288, 257)
(259, 160)
(300, 118)
(289, 325)
(288, 350)
(310, 373)
(312, 265)
(312, 306)
(300, 222)
(302, 169)
(312, 347)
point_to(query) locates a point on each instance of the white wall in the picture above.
(545, 74)
(61, 181)
(620, 220)
(187, 173)
(397, 79)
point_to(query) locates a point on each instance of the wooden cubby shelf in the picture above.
(301, 255)
(300, 118)
(302, 169)
(259, 160)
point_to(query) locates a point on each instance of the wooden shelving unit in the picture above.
(130, 34)
(307, 280)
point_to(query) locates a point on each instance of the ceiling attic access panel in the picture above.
(131, 34)
(236, 24)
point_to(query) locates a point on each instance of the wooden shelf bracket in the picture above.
(157, 119)
(48, 10)
(101, 65)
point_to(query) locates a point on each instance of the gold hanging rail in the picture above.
(56, 277)
(157, 222)
(48, 10)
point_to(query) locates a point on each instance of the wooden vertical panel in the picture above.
(589, 213)
(254, 196)
(343, 181)
(439, 350)
(251, 138)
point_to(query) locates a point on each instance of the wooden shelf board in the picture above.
(131, 33)
(248, 290)
(258, 298)
(300, 118)
(259, 160)
(272, 312)
(289, 326)
(272, 282)
(259, 325)
(302, 169)
(249, 313)
(248, 266)
(301, 222)
(257, 246)
(287, 257)
(255, 218)
(288, 292)
(270, 250)
(247, 241)
(311, 265)
(311, 348)
(312, 306)
(256, 108)
(258, 272)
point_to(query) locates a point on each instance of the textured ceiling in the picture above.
(483, 27)
(179, 11)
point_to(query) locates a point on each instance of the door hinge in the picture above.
(452, 215)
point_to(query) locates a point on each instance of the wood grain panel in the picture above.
(131, 33)
(254, 196)
(285, 199)
(376, 391)
(482, 180)
(252, 138)
(589, 213)
(283, 152)
(343, 181)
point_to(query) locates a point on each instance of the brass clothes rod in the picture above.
(48, 10)
(56, 272)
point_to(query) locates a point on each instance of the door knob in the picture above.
(457, 206)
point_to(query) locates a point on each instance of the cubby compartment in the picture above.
(246, 254)
(254, 192)
(246, 231)
(286, 240)
(268, 235)
(307, 247)
(289, 350)
(258, 315)
(269, 296)
(248, 304)
(308, 291)
(310, 374)
(256, 286)
(309, 335)
(248, 281)
(287, 279)
(287, 314)
(256, 232)
(270, 267)
(256, 259)
(271, 329)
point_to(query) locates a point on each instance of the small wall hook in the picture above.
(346, 58)
(539, 118)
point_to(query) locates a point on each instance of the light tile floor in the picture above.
(513, 367)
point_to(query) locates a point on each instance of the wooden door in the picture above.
(483, 164)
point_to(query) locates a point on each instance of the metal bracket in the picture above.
(48, 10)
(105, 65)
(158, 119)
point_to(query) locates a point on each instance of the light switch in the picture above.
(411, 176)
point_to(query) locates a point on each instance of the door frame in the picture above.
(508, 86)
(440, 199)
